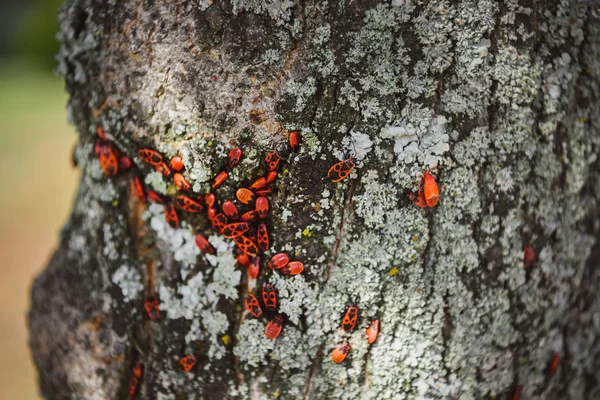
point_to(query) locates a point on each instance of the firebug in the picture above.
(150, 156)
(108, 155)
(138, 189)
(517, 393)
(219, 179)
(271, 176)
(219, 222)
(209, 199)
(244, 195)
(340, 353)
(274, 327)
(258, 184)
(430, 189)
(279, 260)
(249, 216)
(235, 229)
(176, 163)
(293, 268)
(554, 364)
(151, 305)
(254, 267)
(269, 297)
(418, 198)
(295, 139)
(372, 331)
(230, 210)
(234, 157)
(262, 237)
(246, 245)
(188, 204)
(340, 170)
(180, 182)
(263, 191)
(272, 160)
(155, 197)
(204, 245)
(163, 169)
(211, 213)
(253, 306)
(124, 163)
(171, 216)
(186, 363)
(262, 207)
(528, 256)
(241, 257)
(100, 133)
(349, 321)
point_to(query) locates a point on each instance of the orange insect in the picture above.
(517, 393)
(253, 306)
(188, 204)
(295, 139)
(340, 353)
(219, 179)
(272, 160)
(203, 244)
(254, 267)
(219, 222)
(210, 213)
(340, 170)
(138, 370)
(234, 157)
(279, 260)
(230, 210)
(108, 155)
(554, 364)
(235, 229)
(262, 207)
(180, 182)
(209, 199)
(171, 216)
(430, 189)
(263, 192)
(274, 327)
(151, 305)
(258, 184)
(150, 157)
(186, 363)
(262, 236)
(155, 197)
(124, 163)
(100, 133)
(241, 257)
(372, 331)
(176, 163)
(246, 245)
(528, 256)
(134, 382)
(271, 176)
(269, 297)
(163, 169)
(138, 189)
(250, 216)
(418, 198)
(349, 321)
(244, 195)
(293, 268)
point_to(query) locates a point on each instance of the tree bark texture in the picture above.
(502, 94)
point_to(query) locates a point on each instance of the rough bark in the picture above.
(503, 94)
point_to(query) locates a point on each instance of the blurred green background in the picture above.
(38, 181)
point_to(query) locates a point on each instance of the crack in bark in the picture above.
(313, 371)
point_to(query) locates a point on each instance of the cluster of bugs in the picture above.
(340, 352)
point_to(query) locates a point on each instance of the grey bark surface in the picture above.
(504, 95)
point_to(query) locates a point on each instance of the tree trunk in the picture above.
(503, 95)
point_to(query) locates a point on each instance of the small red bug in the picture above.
(250, 216)
(234, 157)
(163, 168)
(430, 189)
(138, 189)
(189, 205)
(246, 245)
(186, 363)
(180, 182)
(279, 260)
(293, 268)
(100, 133)
(262, 207)
(262, 237)
(258, 184)
(372, 331)
(204, 244)
(171, 216)
(254, 267)
(230, 210)
(272, 160)
(176, 163)
(517, 393)
(124, 163)
(349, 321)
(271, 176)
(138, 370)
(263, 192)
(528, 256)
(209, 199)
(340, 170)
(108, 155)
(244, 195)
(269, 297)
(211, 213)
(554, 364)
(219, 222)
(418, 198)
(252, 305)
(134, 382)
(295, 139)
(241, 257)
(151, 305)
(340, 353)
(235, 229)
(219, 179)
(274, 327)
(150, 157)
(155, 197)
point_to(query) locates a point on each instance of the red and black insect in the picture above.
(180, 182)
(235, 229)
(418, 198)
(293, 268)
(230, 210)
(340, 353)
(340, 170)
(176, 163)
(219, 222)
(209, 199)
(274, 327)
(253, 306)
(150, 157)
(430, 189)
(244, 195)
(203, 244)
(246, 245)
(219, 179)
(258, 184)
(295, 138)
(124, 163)
(155, 197)
(188, 204)
(263, 191)
(272, 160)
(151, 305)
(171, 216)
(250, 216)
(349, 321)
(163, 169)
(528, 256)
(134, 383)
(372, 331)
(554, 364)
(234, 157)
(262, 207)
(241, 257)
(271, 176)
(254, 267)
(138, 189)
(269, 297)
(186, 363)
(108, 155)
(262, 236)
(279, 260)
